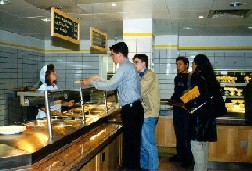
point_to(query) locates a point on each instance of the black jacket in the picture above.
(180, 82)
(248, 102)
(203, 120)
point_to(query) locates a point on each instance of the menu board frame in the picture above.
(66, 24)
(96, 34)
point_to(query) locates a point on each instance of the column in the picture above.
(137, 34)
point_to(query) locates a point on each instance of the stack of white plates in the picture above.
(8, 130)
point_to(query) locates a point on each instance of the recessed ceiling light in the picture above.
(113, 4)
(201, 16)
(187, 28)
(235, 4)
(4, 2)
(46, 19)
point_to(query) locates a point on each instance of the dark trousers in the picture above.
(181, 121)
(132, 117)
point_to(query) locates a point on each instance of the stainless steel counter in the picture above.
(74, 155)
(33, 144)
(231, 121)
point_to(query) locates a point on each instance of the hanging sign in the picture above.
(64, 26)
(98, 41)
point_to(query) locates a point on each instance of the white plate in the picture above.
(8, 130)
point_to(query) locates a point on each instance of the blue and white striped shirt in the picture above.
(126, 81)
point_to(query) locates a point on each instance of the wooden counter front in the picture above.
(165, 135)
(234, 144)
(234, 140)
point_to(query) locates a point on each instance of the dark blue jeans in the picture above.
(132, 117)
(181, 121)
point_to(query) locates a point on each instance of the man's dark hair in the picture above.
(184, 59)
(120, 47)
(142, 57)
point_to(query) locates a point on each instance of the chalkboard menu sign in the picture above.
(98, 41)
(64, 26)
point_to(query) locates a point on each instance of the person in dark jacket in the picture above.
(203, 119)
(180, 115)
(248, 103)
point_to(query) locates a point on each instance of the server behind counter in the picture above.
(248, 103)
(48, 77)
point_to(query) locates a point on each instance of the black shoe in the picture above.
(187, 164)
(175, 158)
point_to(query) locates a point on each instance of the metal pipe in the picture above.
(48, 114)
(82, 105)
(106, 100)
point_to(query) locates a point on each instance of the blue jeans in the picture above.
(149, 152)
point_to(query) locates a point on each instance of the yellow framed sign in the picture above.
(64, 26)
(98, 41)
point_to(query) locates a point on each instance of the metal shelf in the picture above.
(233, 84)
(234, 97)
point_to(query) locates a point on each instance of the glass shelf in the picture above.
(234, 97)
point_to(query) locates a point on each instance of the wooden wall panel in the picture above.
(110, 158)
(165, 135)
(234, 144)
(90, 165)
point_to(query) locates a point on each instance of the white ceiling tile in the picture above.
(169, 16)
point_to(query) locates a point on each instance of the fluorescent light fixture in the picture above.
(113, 4)
(235, 4)
(46, 19)
(187, 28)
(250, 27)
(201, 16)
(4, 2)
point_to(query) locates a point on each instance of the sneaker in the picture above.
(175, 158)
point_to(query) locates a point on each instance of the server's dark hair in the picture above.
(50, 69)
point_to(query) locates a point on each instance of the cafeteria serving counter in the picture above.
(27, 147)
(34, 144)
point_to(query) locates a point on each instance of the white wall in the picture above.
(215, 41)
(13, 39)
(22, 57)
(225, 52)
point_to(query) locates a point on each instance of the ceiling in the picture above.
(170, 17)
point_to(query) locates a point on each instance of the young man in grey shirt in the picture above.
(126, 81)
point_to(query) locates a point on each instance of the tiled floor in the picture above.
(165, 165)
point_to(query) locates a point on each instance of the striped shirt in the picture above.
(126, 81)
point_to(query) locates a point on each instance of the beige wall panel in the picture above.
(165, 135)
